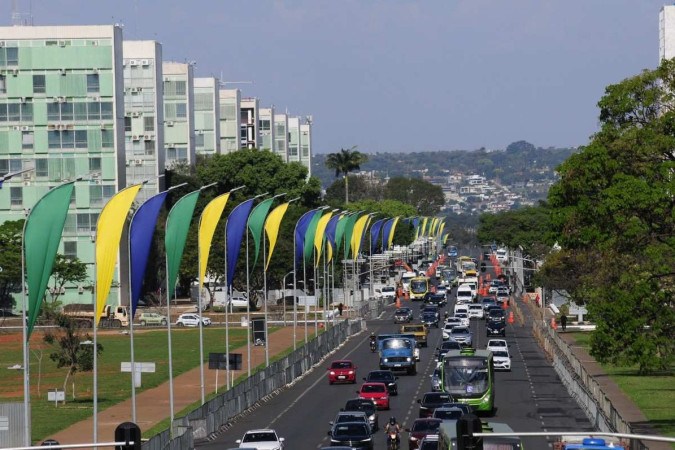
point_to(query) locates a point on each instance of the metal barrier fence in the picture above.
(210, 417)
(581, 385)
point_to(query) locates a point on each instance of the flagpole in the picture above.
(267, 347)
(95, 328)
(295, 287)
(248, 309)
(201, 332)
(304, 285)
(131, 329)
(26, 361)
(168, 333)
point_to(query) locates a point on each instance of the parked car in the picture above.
(432, 400)
(384, 376)
(192, 320)
(403, 315)
(377, 392)
(462, 335)
(261, 440)
(368, 407)
(341, 371)
(353, 434)
(420, 429)
(151, 318)
(501, 359)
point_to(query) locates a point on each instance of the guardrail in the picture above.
(211, 416)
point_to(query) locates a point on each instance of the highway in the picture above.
(529, 398)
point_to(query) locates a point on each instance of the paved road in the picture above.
(529, 398)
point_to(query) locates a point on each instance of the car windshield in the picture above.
(396, 343)
(370, 388)
(402, 312)
(500, 353)
(448, 414)
(349, 418)
(465, 376)
(436, 398)
(366, 406)
(493, 343)
(260, 436)
(380, 376)
(350, 430)
(388, 289)
(341, 365)
(459, 330)
(425, 425)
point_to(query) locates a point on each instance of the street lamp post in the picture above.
(283, 297)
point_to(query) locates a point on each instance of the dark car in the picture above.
(495, 314)
(403, 315)
(495, 328)
(432, 400)
(368, 407)
(352, 434)
(444, 413)
(429, 442)
(438, 299)
(433, 309)
(384, 376)
(487, 302)
(421, 428)
(445, 348)
(468, 409)
(430, 319)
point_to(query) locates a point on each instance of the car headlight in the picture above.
(408, 359)
(332, 373)
(413, 438)
(351, 372)
(372, 418)
(385, 360)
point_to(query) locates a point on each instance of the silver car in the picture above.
(192, 320)
(462, 335)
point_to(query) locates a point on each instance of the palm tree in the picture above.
(346, 161)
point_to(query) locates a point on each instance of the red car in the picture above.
(421, 428)
(377, 392)
(343, 371)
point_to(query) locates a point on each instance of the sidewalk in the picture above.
(152, 405)
(623, 404)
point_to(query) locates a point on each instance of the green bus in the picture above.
(468, 375)
(447, 436)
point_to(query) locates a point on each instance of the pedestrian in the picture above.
(340, 308)
(563, 322)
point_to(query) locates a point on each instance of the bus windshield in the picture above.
(465, 377)
(418, 286)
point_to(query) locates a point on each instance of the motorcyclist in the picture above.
(392, 425)
(445, 315)
(373, 340)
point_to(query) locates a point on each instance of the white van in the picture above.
(464, 294)
(462, 309)
(502, 255)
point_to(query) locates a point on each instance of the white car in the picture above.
(476, 311)
(192, 320)
(447, 328)
(463, 318)
(441, 290)
(261, 440)
(386, 292)
(501, 360)
(497, 344)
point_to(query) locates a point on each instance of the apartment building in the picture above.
(266, 128)
(667, 32)
(144, 116)
(281, 136)
(230, 120)
(179, 135)
(306, 144)
(207, 115)
(62, 115)
(249, 109)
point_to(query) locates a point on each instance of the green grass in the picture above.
(113, 386)
(653, 394)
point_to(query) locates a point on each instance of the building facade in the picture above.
(249, 131)
(230, 120)
(62, 115)
(179, 130)
(306, 145)
(207, 115)
(144, 116)
(266, 127)
(667, 32)
(281, 136)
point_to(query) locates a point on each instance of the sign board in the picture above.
(56, 396)
(140, 367)
(218, 361)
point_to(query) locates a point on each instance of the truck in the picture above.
(111, 317)
(397, 352)
(419, 330)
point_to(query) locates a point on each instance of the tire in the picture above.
(180, 324)
(163, 322)
(143, 323)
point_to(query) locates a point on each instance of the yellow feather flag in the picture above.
(320, 234)
(207, 226)
(391, 233)
(108, 234)
(440, 229)
(329, 251)
(423, 227)
(272, 224)
(357, 235)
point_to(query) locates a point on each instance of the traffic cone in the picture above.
(504, 306)
(511, 320)
(554, 325)
(398, 301)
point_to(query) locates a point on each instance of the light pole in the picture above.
(283, 297)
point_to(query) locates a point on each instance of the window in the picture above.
(199, 140)
(149, 123)
(13, 112)
(87, 222)
(39, 84)
(53, 139)
(149, 147)
(94, 164)
(66, 111)
(92, 83)
(107, 139)
(3, 84)
(94, 111)
(16, 196)
(80, 111)
(4, 167)
(180, 87)
(181, 110)
(70, 249)
(27, 139)
(81, 139)
(12, 56)
(106, 110)
(127, 124)
(53, 111)
(95, 198)
(41, 167)
(15, 165)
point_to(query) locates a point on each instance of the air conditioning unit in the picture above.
(148, 137)
(61, 99)
(25, 128)
(133, 62)
(103, 127)
(135, 89)
(169, 123)
(97, 181)
(16, 128)
(23, 99)
(61, 127)
(63, 71)
(2, 43)
(26, 211)
(135, 137)
(138, 162)
(26, 183)
(26, 176)
(14, 72)
(145, 62)
(62, 43)
(129, 161)
(80, 289)
(135, 114)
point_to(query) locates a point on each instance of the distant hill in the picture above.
(519, 162)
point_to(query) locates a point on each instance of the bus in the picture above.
(447, 436)
(468, 375)
(419, 288)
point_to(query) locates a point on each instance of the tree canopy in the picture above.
(427, 198)
(345, 161)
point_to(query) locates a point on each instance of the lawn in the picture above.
(113, 387)
(653, 394)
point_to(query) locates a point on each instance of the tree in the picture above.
(425, 197)
(10, 261)
(345, 161)
(66, 271)
(73, 350)
(361, 188)
(613, 208)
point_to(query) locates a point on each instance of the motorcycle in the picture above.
(373, 346)
(392, 440)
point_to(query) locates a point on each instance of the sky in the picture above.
(400, 75)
